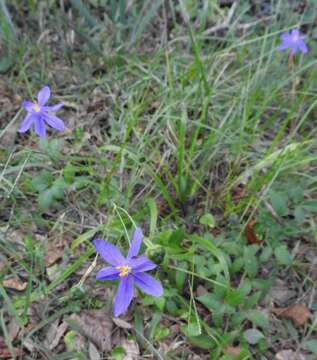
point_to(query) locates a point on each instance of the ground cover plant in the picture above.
(175, 141)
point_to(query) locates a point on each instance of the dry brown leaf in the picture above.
(53, 254)
(238, 193)
(15, 284)
(131, 349)
(13, 329)
(15, 236)
(53, 272)
(93, 352)
(28, 344)
(54, 334)
(250, 233)
(288, 355)
(281, 293)
(233, 350)
(122, 323)
(33, 315)
(298, 313)
(5, 352)
(96, 325)
(154, 106)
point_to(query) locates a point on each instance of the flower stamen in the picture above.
(124, 270)
(36, 108)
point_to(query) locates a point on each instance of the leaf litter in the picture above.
(298, 313)
(96, 325)
(15, 284)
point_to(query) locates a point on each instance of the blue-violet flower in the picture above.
(39, 114)
(293, 41)
(130, 271)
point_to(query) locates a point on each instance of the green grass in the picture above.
(165, 132)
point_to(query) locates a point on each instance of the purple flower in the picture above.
(293, 41)
(39, 114)
(130, 271)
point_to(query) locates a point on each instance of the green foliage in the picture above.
(208, 220)
(193, 140)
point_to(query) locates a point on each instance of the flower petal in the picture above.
(108, 273)
(295, 33)
(54, 122)
(124, 295)
(53, 108)
(40, 127)
(136, 243)
(285, 36)
(109, 252)
(283, 47)
(148, 284)
(141, 264)
(27, 122)
(302, 46)
(43, 95)
(28, 105)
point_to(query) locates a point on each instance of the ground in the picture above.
(184, 118)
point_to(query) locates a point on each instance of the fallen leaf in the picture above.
(122, 323)
(281, 293)
(15, 284)
(253, 336)
(54, 334)
(250, 233)
(233, 350)
(28, 344)
(6, 353)
(96, 325)
(33, 315)
(15, 236)
(13, 329)
(154, 106)
(131, 349)
(93, 352)
(298, 313)
(53, 254)
(53, 272)
(288, 355)
(238, 193)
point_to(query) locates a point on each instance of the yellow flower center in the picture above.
(36, 108)
(124, 270)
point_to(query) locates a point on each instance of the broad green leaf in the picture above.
(310, 205)
(208, 220)
(258, 319)
(283, 256)
(279, 203)
(202, 341)
(211, 302)
(250, 261)
(311, 345)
